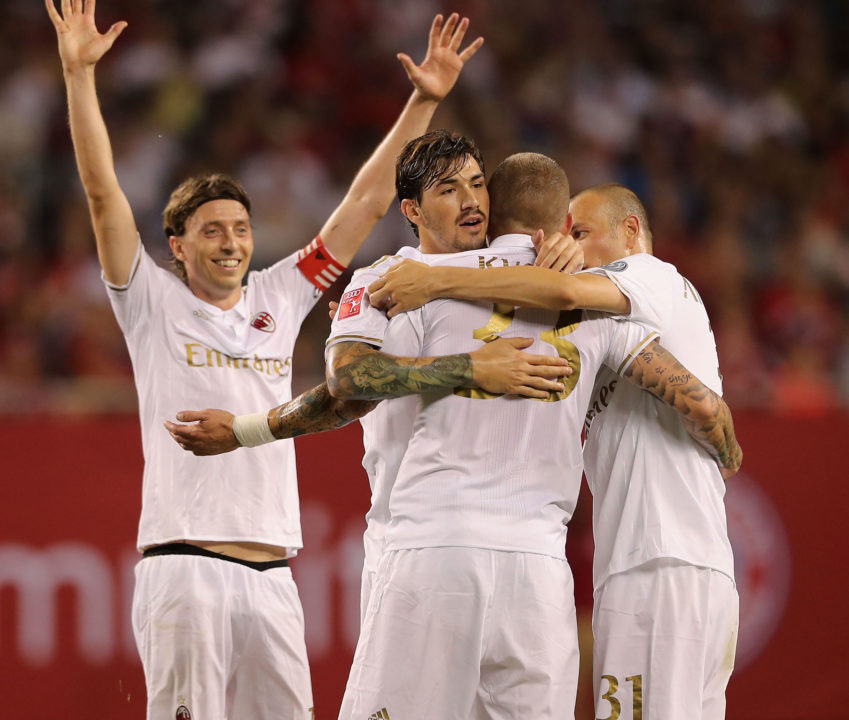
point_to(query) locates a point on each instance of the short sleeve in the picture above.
(134, 301)
(636, 277)
(357, 320)
(628, 340)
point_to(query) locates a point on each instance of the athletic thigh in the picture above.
(654, 640)
(212, 634)
(418, 655)
(182, 631)
(530, 663)
(270, 675)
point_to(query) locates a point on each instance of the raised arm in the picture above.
(358, 370)
(80, 48)
(410, 284)
(373, 188)
(705, 414)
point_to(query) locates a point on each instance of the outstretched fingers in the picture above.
(448, 30)
(459, 33)
(471, 50)
(435, 32)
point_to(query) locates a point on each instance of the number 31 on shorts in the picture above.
(614, 702)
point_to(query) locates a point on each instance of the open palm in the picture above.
(440, 69)
(79, 41)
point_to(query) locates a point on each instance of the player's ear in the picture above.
(412, 211)
(175, 242)
(631, 226)
(567, 226)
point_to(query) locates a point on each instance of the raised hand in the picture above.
(441, 67)
(501, 367)
(558, 252)
(401, 288)
(80, 44)
(209, 432)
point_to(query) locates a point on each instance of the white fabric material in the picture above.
(656, 493)
(252, 430)
(189, 354)
(499, 473)
(387, 428)
(367, 324)
(669, 629)
(221, 639)
(460, 633)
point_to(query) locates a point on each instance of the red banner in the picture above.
(67, 530)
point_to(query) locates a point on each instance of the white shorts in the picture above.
(221, 639)
(665, 638)
(459, 633)
(365, 592)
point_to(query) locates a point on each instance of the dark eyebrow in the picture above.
(452, 180)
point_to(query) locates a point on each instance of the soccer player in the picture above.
(497, 367)
(216, 614)
(666, 609)
(472, 610)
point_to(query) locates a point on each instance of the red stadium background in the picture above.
(67, 530)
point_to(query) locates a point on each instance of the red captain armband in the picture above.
(318, 265)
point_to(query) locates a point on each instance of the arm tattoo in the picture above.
(705, 414)
(315, 411)
(357, 370)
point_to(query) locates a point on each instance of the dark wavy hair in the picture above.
(428, 159)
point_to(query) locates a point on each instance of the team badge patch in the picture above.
(263, 321)
(351, 303)
(183, 713)
(617, 266)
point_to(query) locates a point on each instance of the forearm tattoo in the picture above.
(360, 371)
(705, 414)
(315, 411)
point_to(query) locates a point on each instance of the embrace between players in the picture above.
(473, 367)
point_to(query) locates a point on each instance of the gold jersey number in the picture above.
(567, 322)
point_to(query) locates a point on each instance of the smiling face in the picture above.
(453, 212)
(216, 249)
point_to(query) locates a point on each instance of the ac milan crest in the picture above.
(183, 713)
(263, 321)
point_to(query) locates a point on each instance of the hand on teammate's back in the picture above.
(558, 252)
(501, 367)
(402, 288)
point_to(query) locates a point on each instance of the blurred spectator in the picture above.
(727, 116)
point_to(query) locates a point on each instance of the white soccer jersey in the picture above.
(656, 493)
(387, 428)
(185, 354)
(500, 473)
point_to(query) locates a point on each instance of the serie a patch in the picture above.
(351, 303)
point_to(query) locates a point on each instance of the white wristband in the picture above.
(252, 430)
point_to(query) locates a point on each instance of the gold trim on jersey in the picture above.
(636, 351)
(355, 338)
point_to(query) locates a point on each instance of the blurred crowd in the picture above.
(728, 117)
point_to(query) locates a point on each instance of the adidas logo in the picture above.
(380, 715)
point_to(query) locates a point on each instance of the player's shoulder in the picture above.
(384, 262)
(640, 264)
